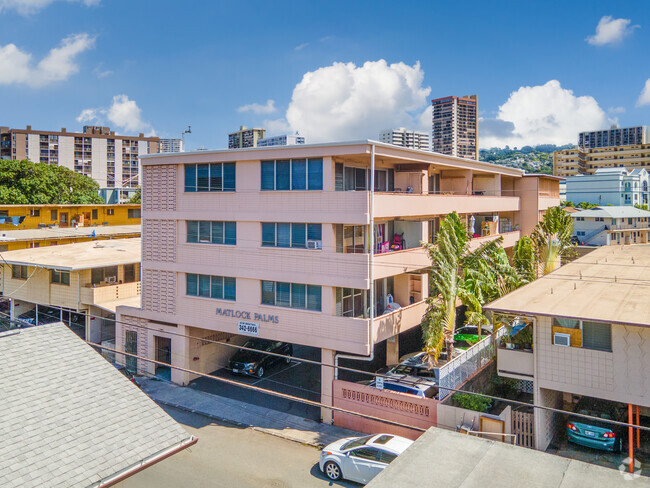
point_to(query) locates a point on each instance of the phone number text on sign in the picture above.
(248, 328)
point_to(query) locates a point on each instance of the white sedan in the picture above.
(360, 459)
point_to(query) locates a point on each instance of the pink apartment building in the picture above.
(304, 244)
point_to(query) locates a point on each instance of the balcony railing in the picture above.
(107, 293)
(412, 204)
(462, 367)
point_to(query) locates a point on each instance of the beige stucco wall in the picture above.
(38, 289)
(622, 375)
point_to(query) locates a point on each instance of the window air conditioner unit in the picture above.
(560, 339)
(111, 279)
(314, 244)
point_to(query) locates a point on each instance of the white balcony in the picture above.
(515, 363)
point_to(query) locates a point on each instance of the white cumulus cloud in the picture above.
(123, 114)
(543, 114)
(88, 115)
(257, 108)
(344, 101)
(611, 31)
(644, 98)
(16, 65)
(27, 7)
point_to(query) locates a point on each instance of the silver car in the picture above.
(360, 459)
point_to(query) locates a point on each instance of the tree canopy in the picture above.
(24, 182)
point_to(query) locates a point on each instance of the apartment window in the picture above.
(104, 275)
(210, 177)
(19, 272)
(129, 273)
(351, 238)
(580, 219)
(580, 233)
(212, 232)
(53, 215)
(281, 234)
(134, 213)
(600, 219)
(292, 174)
(350, 178)
(94, 214)
(352, 302)
(291, 295)
(34, 212)
(217, 287)
(4, 213)
(60, 277)
(110, 211)
(596, 336)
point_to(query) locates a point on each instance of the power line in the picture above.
(290, 397)
(331, 407)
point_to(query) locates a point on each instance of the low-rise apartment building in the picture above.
(79, 284)
(610, 186)
(11, 240)
(317, 245)
(19, 217)
(591, 335)
(610, 225)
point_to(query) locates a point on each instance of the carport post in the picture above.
(630, 437)
(638, 431)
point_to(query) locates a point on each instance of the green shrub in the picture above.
(472, 402)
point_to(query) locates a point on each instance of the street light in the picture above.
(186, 131)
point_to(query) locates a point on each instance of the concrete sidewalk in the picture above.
(274, 422)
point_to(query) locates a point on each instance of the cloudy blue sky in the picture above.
(334, 70)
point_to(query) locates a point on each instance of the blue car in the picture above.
(593, 433)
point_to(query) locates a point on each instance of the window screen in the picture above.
(597, 336)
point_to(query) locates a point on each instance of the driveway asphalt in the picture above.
(298, 379)
(228, 456)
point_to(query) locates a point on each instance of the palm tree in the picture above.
(473, 277)
(439, 320)
(551, 240)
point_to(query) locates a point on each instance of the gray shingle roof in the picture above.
(68, 417)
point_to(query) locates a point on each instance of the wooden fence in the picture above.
(523, 426)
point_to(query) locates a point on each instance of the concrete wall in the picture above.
(398, 407)
(620, 375)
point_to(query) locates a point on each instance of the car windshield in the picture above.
(593, 413)
(358, 442)
(411, 371)
(259, 344)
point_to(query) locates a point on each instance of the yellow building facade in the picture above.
(14, 217)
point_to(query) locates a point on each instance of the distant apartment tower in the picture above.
(245, 137)
(455, 126)
(283, 140)
(109, 159)
(627, 148)
(405, 138)
(171, 146)
(616, 136)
